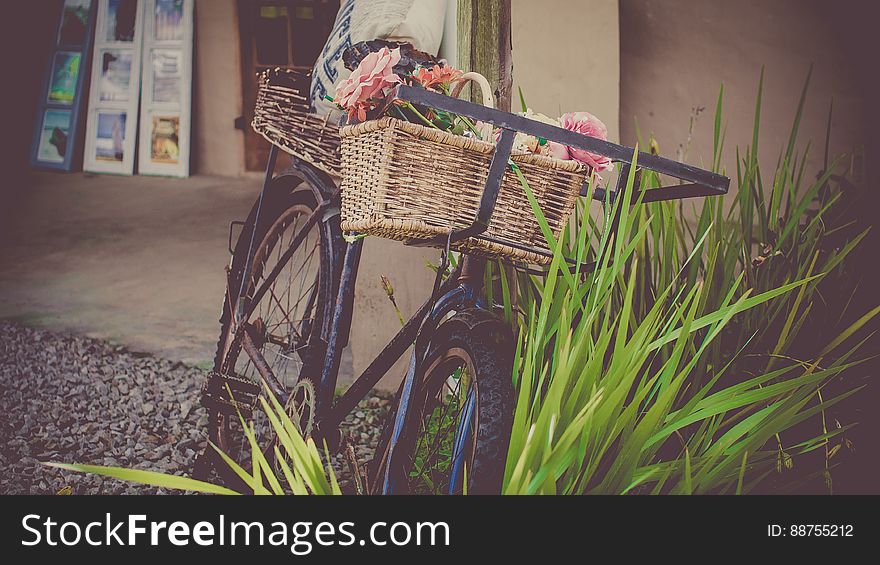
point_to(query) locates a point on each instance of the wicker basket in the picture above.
(282, 115)
(406, 181)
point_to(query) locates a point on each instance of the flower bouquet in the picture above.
(415, 173)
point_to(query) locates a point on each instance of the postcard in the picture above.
(53, 136)
(65, 71)
(167, 68)
(115, 75)
(164, 139)
(120, 22)
(74, 22)
(110, 136)
(168, 20)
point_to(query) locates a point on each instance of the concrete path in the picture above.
(134, 260)
(139, 261)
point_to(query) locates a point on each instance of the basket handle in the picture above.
(487, 132)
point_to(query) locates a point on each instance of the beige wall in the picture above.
(566, 57)
(219, 147)
(661, 59)
(676, 53)
(374, 322)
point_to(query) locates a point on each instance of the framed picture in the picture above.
(115, 82)
(120, 23)
(110, 137)
(112, 124)
(167, 67)
(168, 20)
(54, 135)
(166, 116)
(65, 77)
(74, 22)
(57, 136)
(165, 139)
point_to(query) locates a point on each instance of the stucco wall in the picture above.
(676, 53)
(374, 322)
(219, 147)
(566, 57)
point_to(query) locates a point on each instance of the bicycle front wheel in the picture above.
(460, 417)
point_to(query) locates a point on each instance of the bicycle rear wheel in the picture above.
(287, 298)
(458, 427)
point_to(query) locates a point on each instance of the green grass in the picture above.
(678, 365)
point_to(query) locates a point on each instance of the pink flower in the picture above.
(587, 124)
(558, 151)
(437, 75)
(370, 82)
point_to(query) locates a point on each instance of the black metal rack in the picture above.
(696, 182)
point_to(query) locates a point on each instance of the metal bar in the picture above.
(247, 343)
(270, 169)
(473, 268)
(496, 174)
(676, 192)
(600, 194)
(573, 268)
(341, 325)
(717, 183)
(232, 224)
(305, 325)
(621, 186)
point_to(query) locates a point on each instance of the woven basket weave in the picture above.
(406, 181)
(282, 115)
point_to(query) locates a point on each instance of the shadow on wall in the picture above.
(676, 53)
(27, 38)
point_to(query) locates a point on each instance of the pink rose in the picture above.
(558, 151)
(372, 79)
(587, 124)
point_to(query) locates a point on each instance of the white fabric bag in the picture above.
(418, 22)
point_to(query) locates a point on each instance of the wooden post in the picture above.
(484, 45)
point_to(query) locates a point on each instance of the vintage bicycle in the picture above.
(288, 309)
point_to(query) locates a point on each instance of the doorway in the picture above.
(277, 33)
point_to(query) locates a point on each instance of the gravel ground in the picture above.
(78, 400)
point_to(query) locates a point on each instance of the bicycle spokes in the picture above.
(444, 434)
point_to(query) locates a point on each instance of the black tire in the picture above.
(487, 343)
(287, 196)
